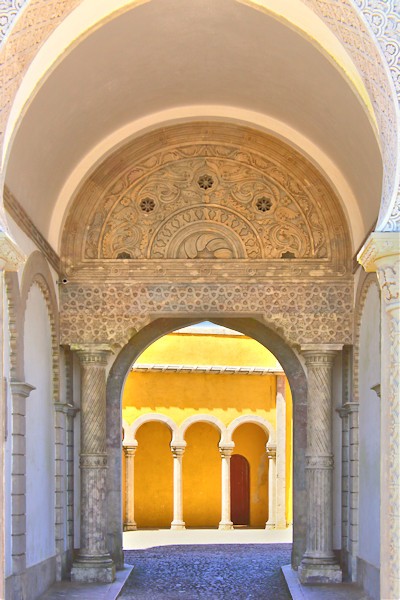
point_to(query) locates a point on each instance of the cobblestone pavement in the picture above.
(208, 572)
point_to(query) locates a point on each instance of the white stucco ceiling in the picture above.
(167, 55)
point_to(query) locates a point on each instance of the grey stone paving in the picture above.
(208, 572)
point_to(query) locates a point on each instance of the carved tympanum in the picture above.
(205, 191)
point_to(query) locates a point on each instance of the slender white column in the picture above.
(130, 524)
(281, 452)
(226, 453)
(177, 453)
(271, 453)
(319, 563)
(381, 254)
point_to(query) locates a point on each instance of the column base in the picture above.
(270, 525)
(311, 571)
(130, 527)
(178, 525)
(225, 525)
(93, 570)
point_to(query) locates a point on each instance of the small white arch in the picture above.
(131, 430)
(204, 419)
(256, 420)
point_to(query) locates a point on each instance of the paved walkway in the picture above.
(208, 572)
(205, 565)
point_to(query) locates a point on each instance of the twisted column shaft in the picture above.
(319, 563)
(93, 563)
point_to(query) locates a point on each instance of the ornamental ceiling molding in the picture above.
(204, 192)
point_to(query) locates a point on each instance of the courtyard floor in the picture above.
(208, 572)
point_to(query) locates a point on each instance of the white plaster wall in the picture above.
(337, 452)
(39, 431)
(8, 446)
(369, 415)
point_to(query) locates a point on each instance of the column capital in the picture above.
(21, 388)
(346, 409)
(271, 451)
(381, 254)
(130, 449)
(11, 256)
(92, 354)
(68, 409)
(377, 389)
(226, 450)
(178, 449)
(320, 354)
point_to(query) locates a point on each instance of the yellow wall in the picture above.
(153, 476)
(181, 395)
(202, 477)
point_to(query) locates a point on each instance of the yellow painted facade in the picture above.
(180, 395)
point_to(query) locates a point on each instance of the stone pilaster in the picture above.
(271, 453)
(177, 453)
(319, 564)
(381, 254)
(226, 453)
(11, 259)
(20, 393)
(93, 562)
(281, 452)
(130, 523)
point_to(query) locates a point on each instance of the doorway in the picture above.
(240, 490)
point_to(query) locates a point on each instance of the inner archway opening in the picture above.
(195, 402)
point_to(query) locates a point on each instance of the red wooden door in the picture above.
(240, 490)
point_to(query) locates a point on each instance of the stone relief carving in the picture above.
(237, 194)
(8, 11)
(303, 312)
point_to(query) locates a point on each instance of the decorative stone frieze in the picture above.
(319, 563)
(93, 563)
(381, 253)
(303, 311)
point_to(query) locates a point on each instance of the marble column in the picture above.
(381, 254)
(129, 523)
(319, 564)
(93, 562)
(271, 453)
(226, 453)
(281, 452)
(177, 453)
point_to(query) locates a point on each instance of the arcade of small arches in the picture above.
(226, 446)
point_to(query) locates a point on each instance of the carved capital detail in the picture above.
(226, 451)
(22, 389)
(177, 451)
(381, 254)
(92, 354)
(11, 257)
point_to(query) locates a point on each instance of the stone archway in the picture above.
(258, 330)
